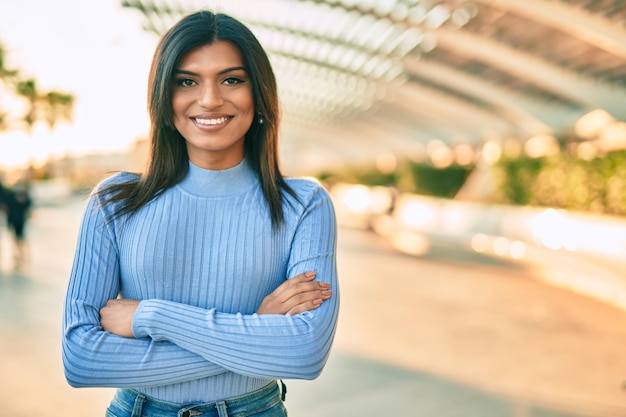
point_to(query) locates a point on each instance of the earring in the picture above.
(261, 121)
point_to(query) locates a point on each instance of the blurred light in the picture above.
(541, 145)
(442, 157)
(598, 237)
(416, 214)
(491, 152)
(464, 154)
(362, 199)
(439, 153)
(551, 229)
(357, 198)
(591, 124)
(479, 242)
(501, 246)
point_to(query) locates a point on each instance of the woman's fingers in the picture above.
(296, 295)
(300, 284)
(307, 305)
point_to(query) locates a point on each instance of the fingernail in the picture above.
(309, 274)
(317, 302)
(329, 293)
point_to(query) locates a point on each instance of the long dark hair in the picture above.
(168, 161)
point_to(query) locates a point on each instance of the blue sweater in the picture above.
(201, 257)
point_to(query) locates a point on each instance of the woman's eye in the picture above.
(184, 82)
(233, 80)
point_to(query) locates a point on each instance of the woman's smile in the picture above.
(211, 124)
(204, 121)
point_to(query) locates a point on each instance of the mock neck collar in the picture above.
(209, 183)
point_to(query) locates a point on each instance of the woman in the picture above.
(199, 283)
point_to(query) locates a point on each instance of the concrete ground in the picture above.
(446, 334)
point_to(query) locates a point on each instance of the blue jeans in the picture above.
(265, 402)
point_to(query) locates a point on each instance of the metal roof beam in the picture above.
(591, 28)
(521, 65)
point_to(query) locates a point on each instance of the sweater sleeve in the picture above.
(94, 357)
(266, 346)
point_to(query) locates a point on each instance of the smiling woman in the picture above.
(200, 282)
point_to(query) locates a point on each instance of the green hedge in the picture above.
(409, 177)
(439, 182)
(560, 181)
(564, 181)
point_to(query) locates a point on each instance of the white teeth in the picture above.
(212, 121)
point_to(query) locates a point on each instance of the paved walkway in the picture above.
(449, 334)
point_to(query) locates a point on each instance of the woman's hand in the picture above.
(296, 295)
(117, 316)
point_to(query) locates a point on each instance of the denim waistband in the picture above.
(255, 402)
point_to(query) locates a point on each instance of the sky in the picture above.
(95, 50)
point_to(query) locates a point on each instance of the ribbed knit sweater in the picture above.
(201, 257)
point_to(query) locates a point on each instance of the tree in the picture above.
(48, 106)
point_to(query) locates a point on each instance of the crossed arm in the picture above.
(294, 296)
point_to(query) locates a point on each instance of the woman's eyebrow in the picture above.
(224, 71)
(231, 69)
(181, 71)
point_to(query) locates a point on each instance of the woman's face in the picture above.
(213, 105)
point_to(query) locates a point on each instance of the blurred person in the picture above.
(201, 283)
(18, 204)
(3, 196)
(3, 211)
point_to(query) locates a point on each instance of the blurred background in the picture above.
(475, 152)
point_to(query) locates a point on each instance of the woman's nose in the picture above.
(210, 96)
